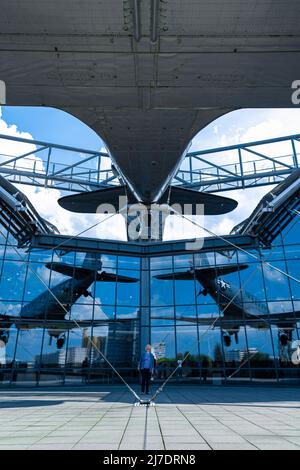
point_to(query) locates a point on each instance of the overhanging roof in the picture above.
(95, 59)
(140, 249)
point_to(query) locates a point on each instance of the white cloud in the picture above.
(12, 309)
(45, 199)
(273, 275)
(85, 311)
(240, 126)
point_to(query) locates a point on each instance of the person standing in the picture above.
(146, 367)
(179, 367)
(84, 374)
(205, 366)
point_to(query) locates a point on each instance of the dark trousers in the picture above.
(146, 377)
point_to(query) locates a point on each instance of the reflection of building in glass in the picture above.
(235, 307)
(159, 350)
(122, 343)
(284, 352)
(2, 353)
(119, 345)
(73, 356)
(55, 359)
(248, 354)
(234, 355)
(93, 345)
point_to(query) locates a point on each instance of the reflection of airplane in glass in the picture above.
(50, 308)
(239, 307)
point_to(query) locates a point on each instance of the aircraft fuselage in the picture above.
(55, 305)
(234, 302)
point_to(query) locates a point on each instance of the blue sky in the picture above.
(56, 126)
(52, 125)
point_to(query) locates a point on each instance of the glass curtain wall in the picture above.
(230, 316)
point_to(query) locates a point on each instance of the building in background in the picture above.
(178, 317)
(230, 306)
(159, 350)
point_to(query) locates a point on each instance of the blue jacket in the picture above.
(143, 360)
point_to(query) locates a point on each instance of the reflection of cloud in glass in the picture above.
(272, 274)
(283, 306)
(109, 261)
(167, 312)
(2, 353)
(44, 273)
(100, 331)
(9, 308)
(86, 312)
(132, 314)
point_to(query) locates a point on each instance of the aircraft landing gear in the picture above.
(227, 340)
(283, 339)
(203, 292)
(4, 336)
(87, 293)
(61, 341)
(236, 337)
(285, 336)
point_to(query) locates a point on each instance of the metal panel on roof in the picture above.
(209, 58)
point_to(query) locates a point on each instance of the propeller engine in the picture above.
(285, 336)
(60, 338)
(227, 337)
(61, 341)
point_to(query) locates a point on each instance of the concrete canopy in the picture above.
(147, 75)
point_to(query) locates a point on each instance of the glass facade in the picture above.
(236, 313)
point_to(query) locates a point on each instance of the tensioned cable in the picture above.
(89, 339)
(248, 359)
(238, 247)
(261, 261)
(256, 352)
(63, 307)
(210, 327)
(86, 230)
(73, 319)
(227, 305)
(230, 302)
(295, 210)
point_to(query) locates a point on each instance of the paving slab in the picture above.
(184, 418)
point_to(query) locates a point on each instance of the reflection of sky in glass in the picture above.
(181, 314)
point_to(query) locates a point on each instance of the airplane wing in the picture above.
(78, 272)
(184, 276)
(225, 269)
(111, 277)
(90, 201)
(273, 319)
(7, 321)
(64, 325)
(276, 318)
(207, 271)
(217, 321)
(68, 270)
(213, 204)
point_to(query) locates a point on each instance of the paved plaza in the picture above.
(185, 417)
